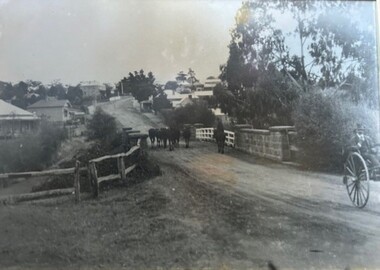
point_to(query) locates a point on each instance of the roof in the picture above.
(204, 93)
(49, 103)
(11, 112)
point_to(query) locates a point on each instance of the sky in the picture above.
(104, 40)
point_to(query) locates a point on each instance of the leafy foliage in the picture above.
(320, 52)
(32, 152)
(172, 85)
(75, 95)
(102, 126)
(190, 114)
(57, 90)
(324, 125)
(160, 101)
(140, 85)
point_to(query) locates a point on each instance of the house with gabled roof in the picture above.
(15, 121)
(52, 109)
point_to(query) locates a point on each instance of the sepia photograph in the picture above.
(178, 134)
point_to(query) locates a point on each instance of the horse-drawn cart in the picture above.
(359, 168)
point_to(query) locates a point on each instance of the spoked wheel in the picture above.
(356, 179)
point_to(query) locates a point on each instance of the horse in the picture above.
(186, 135)
(220, 138)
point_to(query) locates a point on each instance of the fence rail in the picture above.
(41, 194)
(207, 134)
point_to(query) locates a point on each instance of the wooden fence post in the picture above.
(89, 176)
(77, 182)
(94, 175)
(121, 166)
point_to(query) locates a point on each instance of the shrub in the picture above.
(32, 152)
(190, 114)
(324, 125)
(102, 126)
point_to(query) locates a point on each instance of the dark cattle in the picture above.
(177, 136)
(220, 138)
(186, 135)
(158, 137)
(153, 135)
(164, 134)
(173, 137)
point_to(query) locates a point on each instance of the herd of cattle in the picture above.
(168, 137)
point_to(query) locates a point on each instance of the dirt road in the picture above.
(128, 115)
(309, 219)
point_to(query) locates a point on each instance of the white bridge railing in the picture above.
(207, 134)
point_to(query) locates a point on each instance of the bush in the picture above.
(32, 152)
(190, 114)
(102, 126)
(324, 125)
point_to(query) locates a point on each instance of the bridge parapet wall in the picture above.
(272, 143)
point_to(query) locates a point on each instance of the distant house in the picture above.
(52, 109)
(15, 121)
(210, 83)
(92, 88)
(179, 100)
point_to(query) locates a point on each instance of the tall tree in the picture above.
(191, 78)
(328, 47)
(58, 91)
(160, 101)
(181, 77)
(75, 95)
(172, 85)
(7, 92)
(19, 97)
(41, 91)
(142, 85)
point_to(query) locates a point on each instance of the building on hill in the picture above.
(92, 88)
(210, 83)
(179, 100)
(15, 121)
(54, 110)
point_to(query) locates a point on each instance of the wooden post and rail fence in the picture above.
(207, 134)
(43, 194)
(95, 179)
(90, 170)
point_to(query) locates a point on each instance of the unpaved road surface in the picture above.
(309, 220)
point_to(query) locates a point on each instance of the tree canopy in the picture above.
(75, 95)
(160, 101)
(141, 85)
(328, 46)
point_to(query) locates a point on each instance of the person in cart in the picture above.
(365, 145)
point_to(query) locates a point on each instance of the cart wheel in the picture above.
(356, 178)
